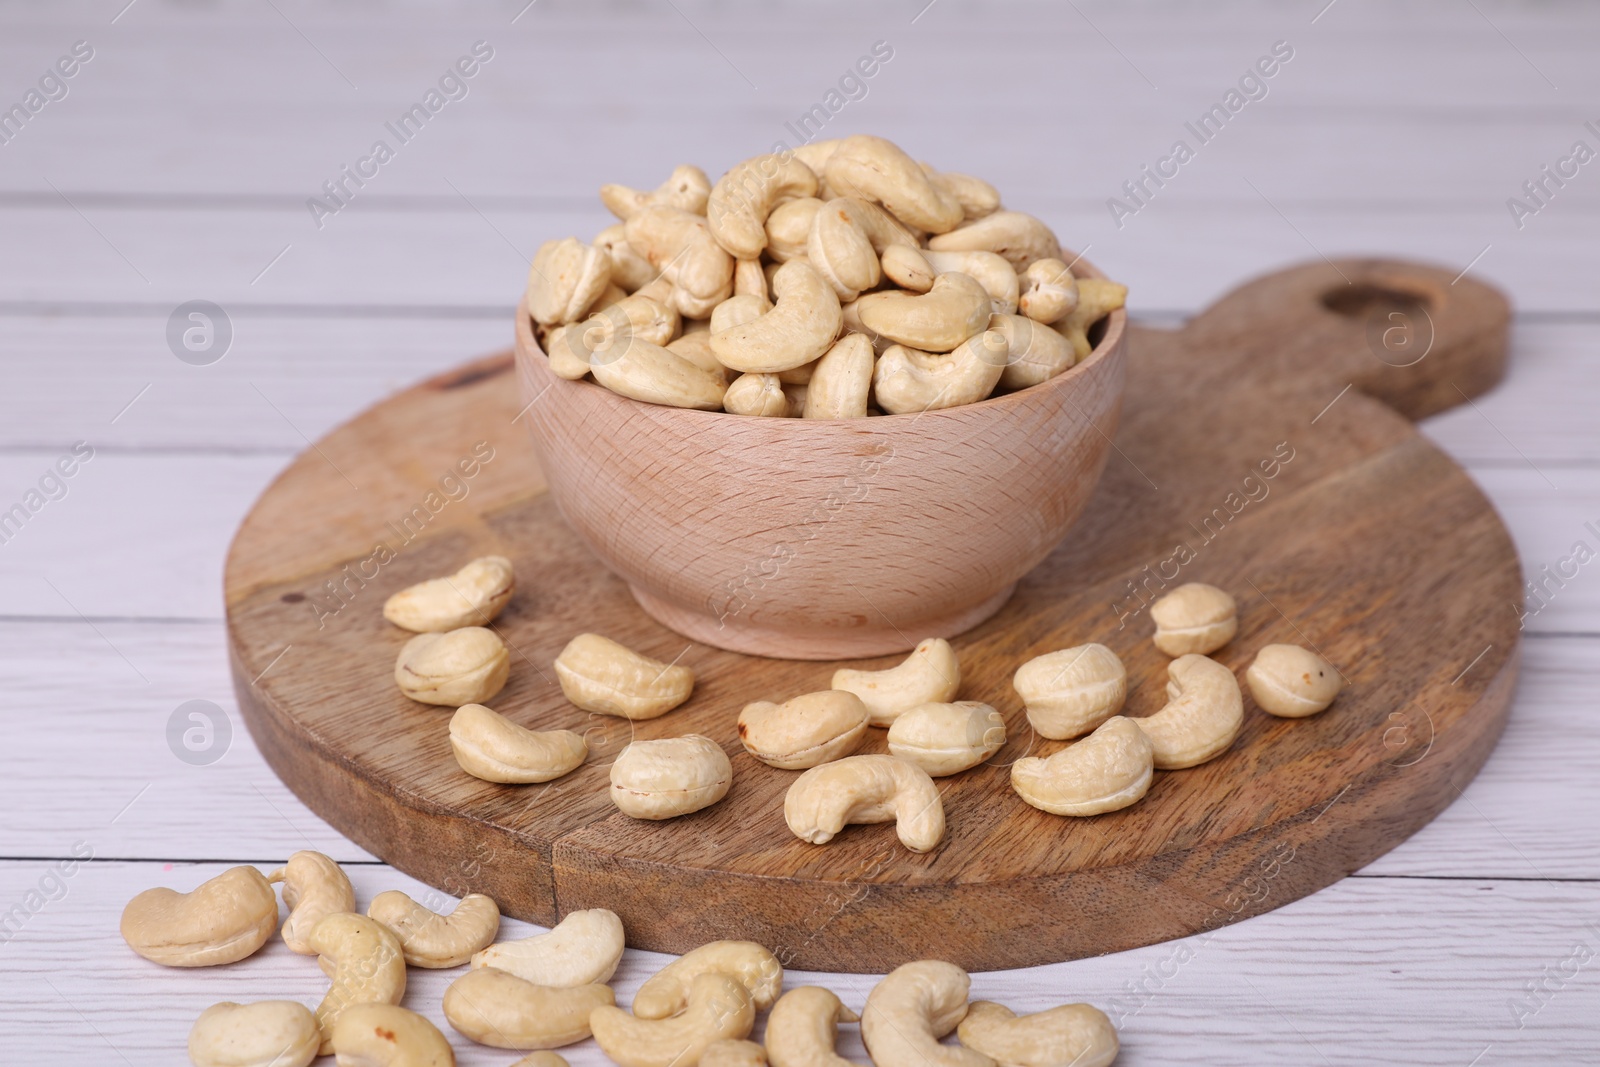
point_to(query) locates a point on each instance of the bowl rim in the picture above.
(1116, 326)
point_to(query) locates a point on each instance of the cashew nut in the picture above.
(566, 277)
(908, 379)
(465, 666)
(789, 228)
(492, 747)
(956, 308)
(671, 776)
(931, 674)
(495, 1007)
(223, 920)
(866, 789)
(680, 245)
(670, 990)
(268, 1033)
(607, 335)
(582, 949)
(908, 268)
(1108, 770)
(1049, 291)
(694, 345)
(1292, 682)
(976, 196)
(989, 270)
(386, 1035)
(945, 739)
(369, 967)
(738, 310)
(749, 279)
(734, 1053)
(804, 730)
(1034, 352)
(472, 596)
(1097, 298)
(434, 941)
(847, 237)
(744, 197)
(599, 675)
(800, 327)
(655, 375)
(796, 395)
(1020, 238)
(1070, 692)
(1194, 618)
(871, 168)
(803, 1029)
(628, 268)
(840, 383)
(911, 1009)
(815, 154)
(1202, 716)
(314, 887)
(685, 189)
(1072, 1035)
(719, 1009)
(760, 395)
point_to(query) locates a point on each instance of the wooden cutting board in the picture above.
(1266, 447)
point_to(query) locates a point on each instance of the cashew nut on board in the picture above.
(369, 967)
(914, 1006)
(670, 776)
(490, 746)
(866, 789)
(224, 920)
(686, 188)
(804, 1027)
(668, 991)
(465, 666)
(1202, 716)
(472, 596)
(600, 675)
(386, 1035)
(1070, 692)
(495, 1007)
(431, 940)
(1194, 618)
(1292, 682)
(930, 674)
(1072, 1035)
(805, 730)
(719, 1009)
(1110, 769)
(946, 739)
(582, 949)
(268, 1033)
(314, 887)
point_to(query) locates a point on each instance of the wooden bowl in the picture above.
(824, 538)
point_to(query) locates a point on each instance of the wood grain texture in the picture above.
(1366, 542)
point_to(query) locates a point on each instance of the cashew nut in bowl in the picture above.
(1020, 238)
(655, 375)
(908, 268)
(802, 325)
(1194, 618)
(847, 237)
(490, 746)
(803, 1029)
(1049, 291)
(566, 278)
(597, 674)
(758, 395)
(268, 1033)
(908, 380)
(671, 776)
(629, 269)
(465, 666)
(866, 789)
(841, 383)
(679, 244)
(1106, 771)
(494, 1007)
(582, 949)
(1070, 692)
(670, 989)
(734, 1053)
(956, 308)
(719, 1009)
(434, 941)
(989, 270)
(814, 154)
(1034, 352)
(1292, 682)
(744, 197)
(1072, 1035)
(314, 887)
(1201, 718)
(223, 920)
(386, 1035)
(608, 332)
(695, 346)
(911, 1009)
(749, 279)
(789, 228)
(686, 188)
(945, 739)
(369, 967)
(738, 310)
(1097, 298)
(796, 395)
(871, 168)
(976, 196)
(804, 731)
(931, 674)
(472, 596)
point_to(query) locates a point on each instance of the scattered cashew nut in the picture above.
(1292, 682)
(671, 776)
(866, 789)
(668, 991)
(600, 675)
(931, 674)
(490, 746)
(314, 887)
(1072, 1035)
(804, 730)
(387, 1035)
(1070, 692)
(435, 941)
(719, 1009)
(566, 278)
(369, 967)
(495, 1007)
(472, 596)
(804, 1027)
(1202, 717)
(911, 1009)
(268, 1033)
(582, 949)
(465, 666)
(1108, 770)
(945, 739)
(223, 920)
(907, 380)
(802, 325)
(1194, 618)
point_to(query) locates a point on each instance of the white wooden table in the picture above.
(177, 166)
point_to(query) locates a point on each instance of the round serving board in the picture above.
(1265, 447)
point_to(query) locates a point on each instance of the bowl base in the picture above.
(737, 635)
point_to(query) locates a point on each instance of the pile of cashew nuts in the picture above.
(838, 280)
(551, 990)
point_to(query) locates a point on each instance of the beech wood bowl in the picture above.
(824, 538)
